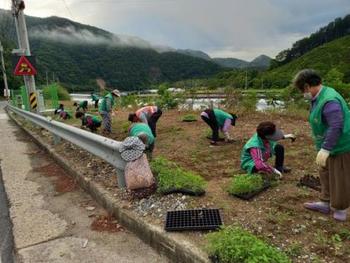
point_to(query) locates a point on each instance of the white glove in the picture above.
(290, 136)
(227, 137)
(321, 158)
(275, 171)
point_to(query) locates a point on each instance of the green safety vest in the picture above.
(94, 97)
(319, 128)
(83, 104)
(247, 162)
(221, 116)
(139, 128)
(103, 105)
(95, 119)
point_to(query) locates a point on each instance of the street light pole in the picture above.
(7, 95)
(23, 42)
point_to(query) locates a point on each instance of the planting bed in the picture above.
(311, 182)
(277, 215)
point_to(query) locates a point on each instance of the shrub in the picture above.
(170, 176)
(235, 245)
(62, 93)
(242, 184)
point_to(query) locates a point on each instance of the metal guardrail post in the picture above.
(105, 148)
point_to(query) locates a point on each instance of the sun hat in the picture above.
(116, 92)
(131, 149)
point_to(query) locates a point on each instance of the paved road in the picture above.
(51, 219)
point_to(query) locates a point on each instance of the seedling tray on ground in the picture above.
(248, 196)
(311, 182)
(196, 219)
(183, 191)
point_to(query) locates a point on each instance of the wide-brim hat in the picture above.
(276, 136)
(116, 92)
(131, 149)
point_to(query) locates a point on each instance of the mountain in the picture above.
(78, 54)
(332, 55)
(338, 28)
(231, 62)
(261, 61)
(194, 53)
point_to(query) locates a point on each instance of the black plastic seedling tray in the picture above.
(196, 219)
(248, 196)
(311, 182)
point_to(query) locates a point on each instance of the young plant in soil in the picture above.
(235, 245)
(189, 118)
(172, 178)
(245, 183)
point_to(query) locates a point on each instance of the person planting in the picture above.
(148, 115)
(330, 124)
(64, 115)
(95, 99)
(261, 147)
(219, 120)
(144, 133)
(82, 105)
(105, 109)
(89, 121)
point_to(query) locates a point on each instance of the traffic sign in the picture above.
(24, 67)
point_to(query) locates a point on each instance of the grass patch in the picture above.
(244, 183)
(171, 177)
(189, 118)
(236, 245)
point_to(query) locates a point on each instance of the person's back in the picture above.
(138, 129)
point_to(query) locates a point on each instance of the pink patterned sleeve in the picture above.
(259, 162)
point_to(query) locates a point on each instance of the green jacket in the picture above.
(142, 128)
(247, 162)
(83, 104)
(221, 116)
(319, 128)
(95, 119)
(106, 106)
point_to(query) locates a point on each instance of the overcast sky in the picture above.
(222, 28)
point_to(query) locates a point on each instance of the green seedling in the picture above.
(189, 118)
(244, 183)
(170, 176)
(235, 245)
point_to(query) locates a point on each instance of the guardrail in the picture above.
(103, 147)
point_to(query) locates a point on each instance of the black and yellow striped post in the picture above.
(33, 101)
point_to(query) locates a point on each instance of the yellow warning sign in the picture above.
(33, 101)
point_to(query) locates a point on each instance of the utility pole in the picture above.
(4, 72)
(47, 79)
(246, 79)
(23, 42)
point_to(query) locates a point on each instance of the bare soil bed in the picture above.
(276, 215)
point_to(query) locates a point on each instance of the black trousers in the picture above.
(213, 124)
(96, 104)
(152, 121)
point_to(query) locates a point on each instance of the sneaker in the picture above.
(321, 207)
(339, 215)
(284, 169)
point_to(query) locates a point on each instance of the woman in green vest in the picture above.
(144, 132)
(261, 147)
(95, 98)
(219, 120)
(91, 122)
(105, 109)
(330, 124)
(82, 105)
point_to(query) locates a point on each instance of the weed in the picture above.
(295, 249)
(171, 177)
(242, 184)
(344, 234)
(235, 245)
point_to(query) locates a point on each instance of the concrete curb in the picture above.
(172, 245)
